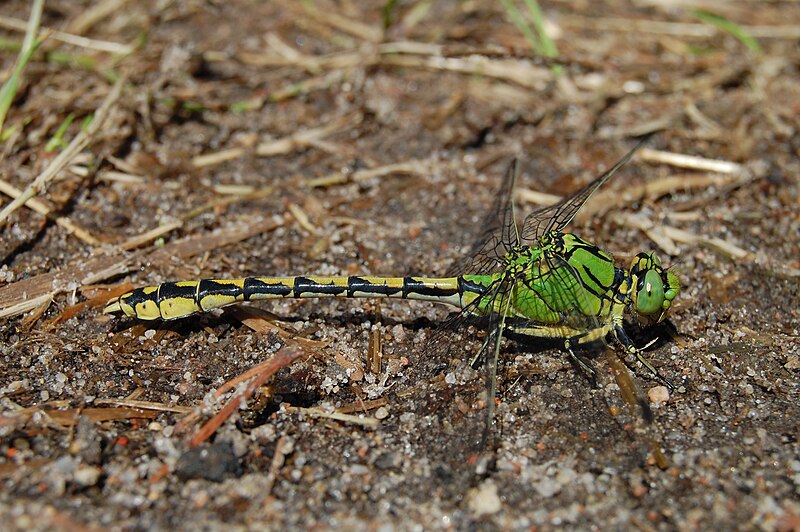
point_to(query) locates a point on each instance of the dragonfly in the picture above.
(522, 281)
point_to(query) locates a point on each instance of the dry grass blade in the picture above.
(149, 236)
(302, 219)
(681, 29)
(237, 194)
(283, 448)
(120, 177)
(370, 422)
(375, 351)
(413, 167)
(690, 161)
(339, 22)
(145, 405)
(92, 14)
(281, 146)
(257, 320)
(70, 416)
(728, 249)
(291, 55)
(196, 244)
(526, 195)
(666, 236)
(218, 157)
(608, 200)
(81, 141)
(302, 139)
(69, 38)
(404, 55)
(363, 406)
(659, 458)
(517, 71)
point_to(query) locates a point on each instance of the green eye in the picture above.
(650, 295)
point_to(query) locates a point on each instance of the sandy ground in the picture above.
(341, 138)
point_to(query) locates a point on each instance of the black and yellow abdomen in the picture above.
(174, 300)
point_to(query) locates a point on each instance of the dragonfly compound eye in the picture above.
(650, 294)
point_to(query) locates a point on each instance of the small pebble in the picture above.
(639, 491)
(381, 413)
(214, 462)
(484, 499)
(547, 487)
(87, 475)
(658, 395)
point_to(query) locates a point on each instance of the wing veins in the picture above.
(556, 217)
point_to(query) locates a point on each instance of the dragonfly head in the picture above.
(653, 287)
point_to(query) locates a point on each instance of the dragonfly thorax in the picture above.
(519, 258)
(566, 279)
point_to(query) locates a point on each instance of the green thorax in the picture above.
(565, 278)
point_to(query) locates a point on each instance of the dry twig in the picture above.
(283, 358)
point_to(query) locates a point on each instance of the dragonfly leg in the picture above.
(627, 343)
(581, 362)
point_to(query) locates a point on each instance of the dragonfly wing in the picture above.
(459, 411)
(556, 217)
(491, 356)
(498, 235)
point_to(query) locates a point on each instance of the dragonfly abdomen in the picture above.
(175, 300)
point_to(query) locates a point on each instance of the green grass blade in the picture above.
(57, 140)
(537, 37)
(549, 48)
(729, 27)
(387, 13)
(522, 25)
(29, 46)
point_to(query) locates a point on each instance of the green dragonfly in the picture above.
(522, 281)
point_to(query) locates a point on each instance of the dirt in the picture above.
(355, 149)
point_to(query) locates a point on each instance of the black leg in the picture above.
(622, 338)
(581, 363)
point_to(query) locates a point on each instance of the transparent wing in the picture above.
(498, 236)
(556, 217)
(490, 354)
(459, 411)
